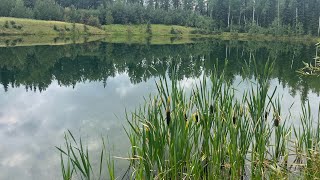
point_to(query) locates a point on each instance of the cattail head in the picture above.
(196, 117)
(211, 109)
(266, 115)
(277, 120)
(234, 118)
(168, 116)
(185, 116)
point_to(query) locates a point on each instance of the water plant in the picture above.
(210, 133)
(313, 68)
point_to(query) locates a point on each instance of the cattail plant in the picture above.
(228, 138)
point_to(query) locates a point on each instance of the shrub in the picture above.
(109, 19)
(12, 23)
(66, 28)
(93, 21)
(55, 27)
(6, 24)
(175, 31)
(20, 26)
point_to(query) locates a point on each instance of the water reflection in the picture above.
(49, 89)
(36, 67)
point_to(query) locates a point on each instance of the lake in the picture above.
(86, 88)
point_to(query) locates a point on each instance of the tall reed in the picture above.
(211, 134)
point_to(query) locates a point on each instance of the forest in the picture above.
(275, 17)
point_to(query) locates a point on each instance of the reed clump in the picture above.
(211, 134)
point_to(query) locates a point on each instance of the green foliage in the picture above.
(109, 19)
(93, 21)
(20, 11)
(6, 6)
(55, 27)
(6, 24)
(210, 134)
(12, 23)
(67, 28)
(175, 31)
(71, 14)
(48, 10)
(75, 159)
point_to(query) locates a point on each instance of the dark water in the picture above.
(86, 89)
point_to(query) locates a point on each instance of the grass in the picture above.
(210, 134)
(157, 30)
(261, 37)
(116, 30)
(161, 34)
(20, 26)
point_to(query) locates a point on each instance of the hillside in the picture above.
(19, 26)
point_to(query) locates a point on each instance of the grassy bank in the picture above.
(19, 26)
(42, 31)
(261, 37)
(137, 33)
(140, 30)
(210, 134)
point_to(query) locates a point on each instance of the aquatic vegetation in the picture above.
(211, 134)
(312, 69)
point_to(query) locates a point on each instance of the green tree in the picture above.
(48, 10)
(6, 7)
(71, 14)
(20, 11)
(109, 19)
(93, 21)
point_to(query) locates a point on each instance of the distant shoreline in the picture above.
(28, 32)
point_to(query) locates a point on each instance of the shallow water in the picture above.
(86, 88)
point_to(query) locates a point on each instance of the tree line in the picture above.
(278, 17)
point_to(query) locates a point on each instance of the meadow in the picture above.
(21, 26)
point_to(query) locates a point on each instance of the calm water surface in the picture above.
(86, 88)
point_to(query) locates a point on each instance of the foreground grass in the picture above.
(209, 134)
(20, 26)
